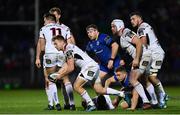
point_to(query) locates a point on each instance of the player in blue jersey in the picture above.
(104, 48)
(132, 100)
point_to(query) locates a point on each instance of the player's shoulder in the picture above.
(70, 46)
(103, 37)
(64, 26)
(144, 25)
(128, 33)
(47, 26)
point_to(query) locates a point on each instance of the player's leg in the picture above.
(78, 87)
(109, 102)
(66, 99)
(102, 90)
(48, 91)
(151, 91)
(53, 88)
(134, 99)
(157, 61)
(144, 67)
(69, 91)
(134, 75)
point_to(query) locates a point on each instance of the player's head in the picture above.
(92, 31)
(56, 11)
(136, 18)
(116, 26)
(121, 72)
(59, 42)
(49, 18)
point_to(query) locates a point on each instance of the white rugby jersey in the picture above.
(48, 31)
(80, 57)
(126, 42)
(146, 30)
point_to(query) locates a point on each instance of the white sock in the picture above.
(86, 97)
(109, 102)
(152, 93)
(139, 88)
(160, 91)
(160, 88)
(69, 90)
(53, 89)
(111, 91)
(49, 96)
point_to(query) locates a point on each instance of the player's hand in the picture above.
(110, 64)
(130, 109)
(135, 63)
(38, 63)
(122, 62)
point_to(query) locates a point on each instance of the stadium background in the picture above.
(20, 21)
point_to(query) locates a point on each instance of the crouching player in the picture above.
(89, 71)
(132, 99)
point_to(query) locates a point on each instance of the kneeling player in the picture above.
(131, 95)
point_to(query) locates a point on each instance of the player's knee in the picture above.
(76, 86)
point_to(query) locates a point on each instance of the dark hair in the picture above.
(49, 16)
(58, 37)
(91, 26)
(55, 9)
(136, 13)
(120, 69)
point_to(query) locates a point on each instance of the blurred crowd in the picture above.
(16, 41)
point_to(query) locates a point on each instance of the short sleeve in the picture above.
(141, 32)
(41, 33)
(108, 40)
(129, 36)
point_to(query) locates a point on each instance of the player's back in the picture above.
(48, 31)
(146, 30)
(81, 58)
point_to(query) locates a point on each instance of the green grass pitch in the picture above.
(34, 101)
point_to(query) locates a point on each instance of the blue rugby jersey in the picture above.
(101, 47)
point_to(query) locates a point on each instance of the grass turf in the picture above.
(34, 101)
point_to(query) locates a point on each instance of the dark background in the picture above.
(17, 40)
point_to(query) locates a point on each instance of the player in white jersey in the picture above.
(140, 54)
(52, 59)
(89, 71)
(148, 38)
(68, 96)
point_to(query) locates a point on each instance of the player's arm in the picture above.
(142, 36)
(109, 81)
(39, 48)
(137, 42)
(134, 99)
(68, 67)
(71, 39)
(114, 48)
